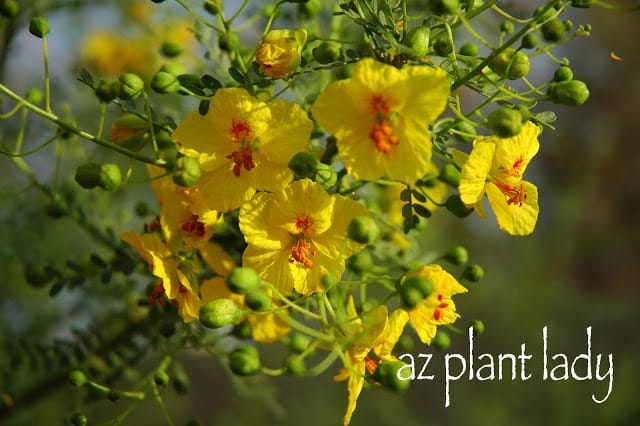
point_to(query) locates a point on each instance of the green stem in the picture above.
(47, 89)
(103, 111)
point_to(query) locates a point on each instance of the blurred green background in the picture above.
(579, 269)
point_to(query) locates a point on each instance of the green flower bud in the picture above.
(410, 296)
(506, 27)
(473, 273)
(107, 90)
(392, 375)
(529, 41)
(327, 52)
(9, 8)
(304, 165)
(363, 229)
(457, 255)
(228, 42)
(37, 275)
(39, 26)
(524, 112)
(219, 312)
(299, 342)
(257, 300)
(423, 284)
(170, 49)
(418, 40)
(78, 419)
(174, 68)
(466, 127)
(510, 63)
(106, 176)
(450, 175)
(478, 327)
(442, 46)
(360, 262)
(242, 280)
(553, 30)
(161, 378)
(242, 330)
(405, 344)
(77, 378)
(444, 7)
(563, 74)
(163, 82)
(325, 175)
(572, 93)
(213, 6)
(505, 122)
(245, 361)
(35, 96)
(582, 3)
(455, 205)
(295, 365)
(441, 340)
(131, 86)
(142, 209)
(469, 49)
(187, 172)
(567, 24)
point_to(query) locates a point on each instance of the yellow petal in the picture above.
(331, 241)
(410, 159)
(289, 132)
(195, 136)
(429, 91)
(513, 154)
(268, 328)
(392, 332)
(515, 219)
(354, 387)
(475, 171)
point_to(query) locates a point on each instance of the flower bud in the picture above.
(164, 82)
(78, 419)
(257, 299)
(473, 273)
(524, 112)
(455, 205)
(441, 340)
(174, 68)
(505, 122)
(303, 165)
(457, 255)
(245, 361)
(161, 378)
(442, 46)
(327, 52)
(187, 172)
(107, 90)
(363, 229)
(37, 275)
(393, 375)
(213, 6)
(553, 30)
(510, 63)
(529, 41)
(242, 280)
(295, 365)
(219, 312)
(9, 8)
(444, 7)
(466, 127)
(131, 86)
(39, 26)
(418, 40)
(478, 327)
(309, 8)
(129, 131)
(325, 175)
(563, 74)
(299, 342)
(280, 51)
(450, 175)
(360, 262)
(77, 378)
(242, 330)
(34, 95)
(506, 27)
(469, 49)
(572, 93)
(423, 284)
(106, 176)
(229, 41)
(405, 344)
(170, 49)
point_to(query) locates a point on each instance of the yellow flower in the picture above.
(243, 145)
(436, 309)
(495, 166)
(110, 54)
(297, 235)
(279, 52)
(380, 118)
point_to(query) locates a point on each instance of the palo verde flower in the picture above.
(495, 166)
(243, 145)
(297, 235)
(380, 118)
(280, 51)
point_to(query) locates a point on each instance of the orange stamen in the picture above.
(382, 136)
(194, 228)
(157, 295)
(379, 105)
(240, 131)
(242, 158)
(438, 313)
(516, 169)
(515, 194)
(301, 252)
(304, 224)
(370, 364)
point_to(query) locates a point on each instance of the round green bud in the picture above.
(473, 273)
(161, 378)
(325, 175)
(37, 275)
(405, 344)
(410, 296)
(457, 255)
(78, 419)
(187, 172)
(131, 86)
(510, 63)
(35, 96)
(242, 330)
(295, 365)
(450, 175)
(363, 229)
(242, 280)
(360, 262)
(582, 3)
(442, 46)
(423, 284)
(169, 49)
(418, 40)
(299, 342)
(174, 68)
(529, 41)
(142, 209)
(455, 205)
(572, 93)
(219, 312)
(506, 27)
(469, 49)
(441, 340)
(77, 378)
(9, 8)
(106, 176)
(303, 165)
(478, 327)
(107, 90)
(257, 300)
(228, 41)
(563, 74)
(327, 52)
(393, 375)
(245, 361)
(39, 26)
(505, 122)
(553, 30)
(213, 6)
(568, 24)
(444, 7)
(468, 128)
(524, 112)
(164, 82)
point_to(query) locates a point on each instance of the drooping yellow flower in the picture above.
(243, 145)
(436, 309)
(495, 166)
(280, 51)
(297, 235)
(380, 118)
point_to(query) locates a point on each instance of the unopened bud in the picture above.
(529, 41)
(360, 262)
(257, 299)
(242, 280)
(107, 90)
(106, 176)
(187, 172)
(325, 175)
(213, 6)
(511, 64)
(34, 95)
(444, 7)
(457, 255)
(78, 419)
(572, 93)
(164, 82)
(505, 122)
(469, 49)
(418, 40)
(473, 273)
(304, 165)
(9, 8)
(450, 175)
(295, 365)
(327, 52)
(553, 30)
(393, 375)
(299, 342)
(131, 86)
(441, 340)
(219, 312)
(478, 327)
(363, 229)
(169, 49)
(77, 378)
(39, 26)
(245, 361)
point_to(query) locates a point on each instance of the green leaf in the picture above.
(237, 75)
(97, 260)
(421, 210)
(56, 288)
(85, 77)
(405, 195)
(203, 108)
(419, 196)
(210, 82)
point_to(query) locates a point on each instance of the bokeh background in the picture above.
(579, 269)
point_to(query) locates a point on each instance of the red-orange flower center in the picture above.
(438, 313)
(240, 131)
(304, 224)
(515, 194)
(302, 251)
(242, 158)
(194, 227)
(382, 132)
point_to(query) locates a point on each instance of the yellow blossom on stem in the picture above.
(243, 145)
(380, 118)
(495, 166)
(297, 235)
(280, 51)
